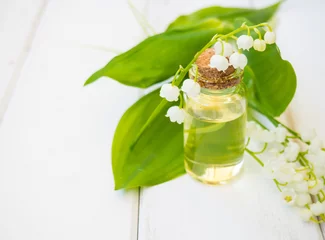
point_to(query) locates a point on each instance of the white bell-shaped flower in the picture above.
(264, 136)
(238, 60)
(274, 147)
(315, 186)
(305, 214)
(259, 45)
(289, 196)
(319, 171)
(317, 208)
(315, 145)
(291, 151)
(245, 42)
(191, 88)
(280, 134)
(269, 37)
(227, 48)
(301, 187)
(299, 177)
(302, 199)
(284, 173)
(176, 114)
(219, 62)
(170, 92)
(308, 134)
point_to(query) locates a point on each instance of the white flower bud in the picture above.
(227, 48)
(305, 214)
(238, 60)
(308, 135)
(302, 199)
(259, 45)
(176, 114)
(315, 187)
(315, 145)
(284, 173)
(245, 42)
(191, 88)
(317, 208)
(300, 176)
(219, 62)
(269, 37)
(291, 151)
(169, 92)
(301, 187)
(280, 134)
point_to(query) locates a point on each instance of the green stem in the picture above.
(280, 184)
(248, 141)
(259, 123)
(181, 100)
(277, 184)
(254, 156)
(259, 152)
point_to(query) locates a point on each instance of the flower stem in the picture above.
(254, 156)
(259, 152)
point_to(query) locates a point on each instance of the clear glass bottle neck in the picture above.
(219, 92)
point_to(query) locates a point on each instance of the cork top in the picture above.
(211, 78)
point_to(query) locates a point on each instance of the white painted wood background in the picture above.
(55, 135)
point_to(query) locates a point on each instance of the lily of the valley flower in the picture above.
(317, 208)
(191, 88)
(219, 62)
(227, 48)
(302, 199)
(269, 37)
(280, 134)
(284, 173)
(238, 60)
(259, 45)
(315, 186)
(245, 42)
(301, 186)
(289, 196)
(176, 114)
(170, 92)
(305, 214)
(308, 135)
(291, 151)
(315, 145)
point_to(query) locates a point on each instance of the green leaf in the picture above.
(158, 57)
(158, 155)
(274, 80)
(253, 15)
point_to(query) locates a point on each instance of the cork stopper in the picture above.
(211, 78)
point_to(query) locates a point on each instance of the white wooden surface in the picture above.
(55, 135)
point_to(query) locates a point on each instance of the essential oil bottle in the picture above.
(215, 123)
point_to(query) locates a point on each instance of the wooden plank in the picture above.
(18, 23)
(55, 139)
(306, 109)
(249, 208)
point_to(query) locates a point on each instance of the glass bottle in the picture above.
(214, 126)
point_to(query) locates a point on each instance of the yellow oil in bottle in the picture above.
(214, 136)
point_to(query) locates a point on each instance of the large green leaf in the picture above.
(157, 156)
(274, 80)
(158, 57)
(253, 15)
